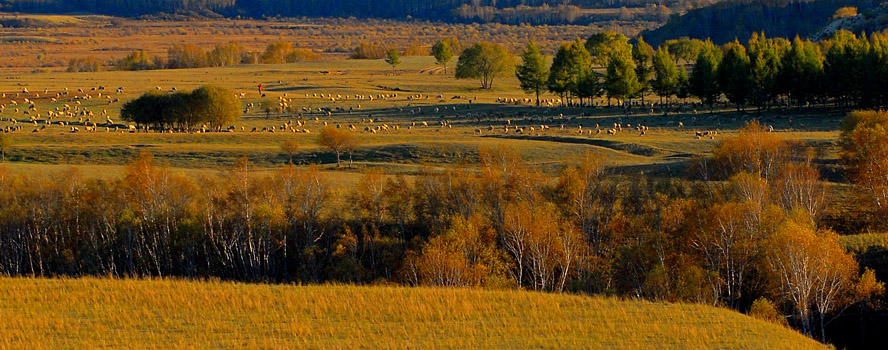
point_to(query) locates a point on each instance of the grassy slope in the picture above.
(98, 313)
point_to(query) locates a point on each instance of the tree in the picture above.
(864, 140)
(5, 144)
(766, 56)
(802, 71)
(570, 64)
(485, 61)
(703, 81)
(814, 271)
(289, 147)
(532, 73)
(665, 82)
(602, 46)
(217, 106)
(620, 81)
(735, 75)
(684, 48)
(443, 53)
(337, 141)
(276, 52)
(393, 58)
(642, 55)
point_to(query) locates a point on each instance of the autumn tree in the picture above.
(532, 73)
(864, 140)
(337, 141)
(485, 61)
(814, 272)
(289, 147)
(276, 52)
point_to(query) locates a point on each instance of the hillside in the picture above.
(99, 313)
(725, 21)
(872, 20)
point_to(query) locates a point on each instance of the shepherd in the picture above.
(260, 89)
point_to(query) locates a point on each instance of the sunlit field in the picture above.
(133, 314)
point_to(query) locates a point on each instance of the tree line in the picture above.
(529, 11)
(736, 243)
(844, 70)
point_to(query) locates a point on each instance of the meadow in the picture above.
(411, 122)
(109, 313)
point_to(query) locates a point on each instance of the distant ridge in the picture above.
(725, 21)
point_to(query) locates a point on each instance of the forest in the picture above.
(551, 12)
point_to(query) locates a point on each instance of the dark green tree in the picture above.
(571, 63)
(642, 54)
(703, 81)
(802, 72)
(532, 73)
(735, 75)
(665, 81)
(620, 81)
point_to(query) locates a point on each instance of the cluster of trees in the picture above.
(208, 107)
(844, 70)
(750, 240)
(192, 56)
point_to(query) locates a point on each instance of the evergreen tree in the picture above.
(703, 82)
(665, 82)
(532, 73)
(765, 56)
(735, 75)
(642, 54)
(802, 71)
(620, 81)
(571, 63)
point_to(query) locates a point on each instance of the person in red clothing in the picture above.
(260, 89)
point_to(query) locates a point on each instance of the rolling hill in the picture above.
(103, 313)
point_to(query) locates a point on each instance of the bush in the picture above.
(764, 309)
(84, 64)
(369, 52)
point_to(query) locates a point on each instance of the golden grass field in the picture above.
(164, 314)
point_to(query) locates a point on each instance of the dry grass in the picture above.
(163, 314)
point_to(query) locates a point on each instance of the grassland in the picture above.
(164, 314)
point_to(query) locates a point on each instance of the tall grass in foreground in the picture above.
(165, 314)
